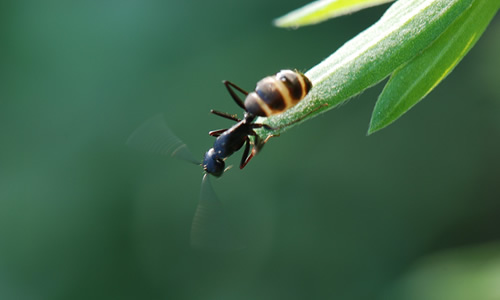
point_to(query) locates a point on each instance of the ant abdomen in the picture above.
(276, 94)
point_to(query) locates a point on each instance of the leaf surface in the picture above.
(322, 10)
(406, 29)
(411, 82)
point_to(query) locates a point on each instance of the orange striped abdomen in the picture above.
(276, 94)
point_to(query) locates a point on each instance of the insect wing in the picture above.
(155, 136)
(212, 229)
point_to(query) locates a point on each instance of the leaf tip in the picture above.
(284, 22)
(372, 130)
(377, 122)
(278, 22)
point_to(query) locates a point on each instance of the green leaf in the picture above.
(413, 81)
(458, 274)
(407, 28)
(322, 10)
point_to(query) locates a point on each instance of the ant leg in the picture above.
(245, 158)
(256, 148)
(260, 125)
(258, 144)
(243, 164)
(267, 139)
(225, 115)
(216, 133)
(229, 85)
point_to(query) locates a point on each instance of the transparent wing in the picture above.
(155, 136)
(212, 229)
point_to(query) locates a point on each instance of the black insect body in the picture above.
(273, 95)
(229, 141)
(212, 227)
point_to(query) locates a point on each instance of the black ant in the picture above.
(273, 95)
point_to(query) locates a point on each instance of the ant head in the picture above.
(212, 164)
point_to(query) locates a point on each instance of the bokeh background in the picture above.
(333, 214)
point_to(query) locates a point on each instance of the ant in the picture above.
(211, 227)
(273, 95)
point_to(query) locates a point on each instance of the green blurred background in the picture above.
(333, 214)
